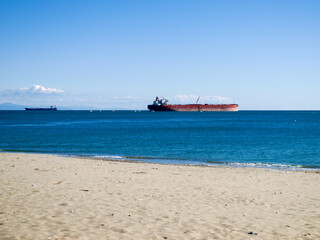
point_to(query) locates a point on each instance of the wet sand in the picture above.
(51, 197)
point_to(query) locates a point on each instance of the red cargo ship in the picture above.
(162, 105)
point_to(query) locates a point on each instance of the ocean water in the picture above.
(287, 140)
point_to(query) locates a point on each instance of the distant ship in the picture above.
(52, 108)
(162, 105)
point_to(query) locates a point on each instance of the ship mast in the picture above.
(198, 100)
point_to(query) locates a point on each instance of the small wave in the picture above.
(265, 165)
(128, 157)
(108, 157)
(278, 166)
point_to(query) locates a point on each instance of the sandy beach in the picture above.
(52, 197)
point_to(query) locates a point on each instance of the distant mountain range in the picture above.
(11, 106)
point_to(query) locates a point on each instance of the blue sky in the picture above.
(121, 54)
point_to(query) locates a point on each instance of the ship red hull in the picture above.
(195, 108)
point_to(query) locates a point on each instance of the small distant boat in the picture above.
(52, 108)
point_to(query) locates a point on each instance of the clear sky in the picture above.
(121, 54)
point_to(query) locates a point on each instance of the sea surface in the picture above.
(288, 140)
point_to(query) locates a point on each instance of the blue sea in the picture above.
(288, 140)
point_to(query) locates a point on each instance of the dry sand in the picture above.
(51, 197)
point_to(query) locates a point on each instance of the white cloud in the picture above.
(34, 95)
(40, 96)
(216, 98)
(40, 89)
(133, 98)
(184, 98)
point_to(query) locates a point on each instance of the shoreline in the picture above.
(274, 166)
(217, 165)
(49, 197)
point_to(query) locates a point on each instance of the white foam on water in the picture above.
(108, 157)
(276, 166)
(267, 165)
